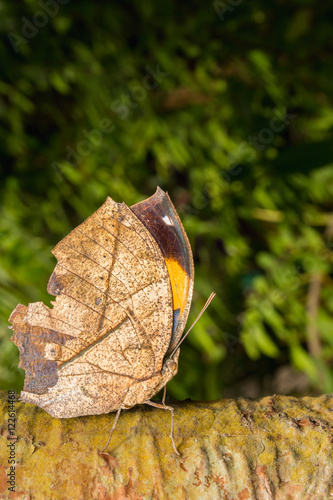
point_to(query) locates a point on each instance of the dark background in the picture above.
(228, 107)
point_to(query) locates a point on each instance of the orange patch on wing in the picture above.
(178, 279)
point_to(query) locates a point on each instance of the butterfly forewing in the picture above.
(158, 214)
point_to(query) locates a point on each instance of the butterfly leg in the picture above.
(165, 407)
(164, 395)
(113, 428)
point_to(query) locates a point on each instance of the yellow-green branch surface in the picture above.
(279, 447)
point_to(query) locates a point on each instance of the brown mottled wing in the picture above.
(111, 322)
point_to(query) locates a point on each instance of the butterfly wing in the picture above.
(110, 325)
(159, 215)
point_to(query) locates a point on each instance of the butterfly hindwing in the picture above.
(105, 338)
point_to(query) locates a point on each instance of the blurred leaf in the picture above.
(303, 361)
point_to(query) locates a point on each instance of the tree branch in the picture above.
(278, 447)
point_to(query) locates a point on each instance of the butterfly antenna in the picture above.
(212, 295)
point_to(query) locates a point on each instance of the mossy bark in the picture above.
(278, 447)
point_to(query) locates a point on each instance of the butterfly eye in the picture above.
(171, 365)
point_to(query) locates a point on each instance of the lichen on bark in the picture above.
(279, 447)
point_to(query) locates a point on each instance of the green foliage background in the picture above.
(255, 193)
